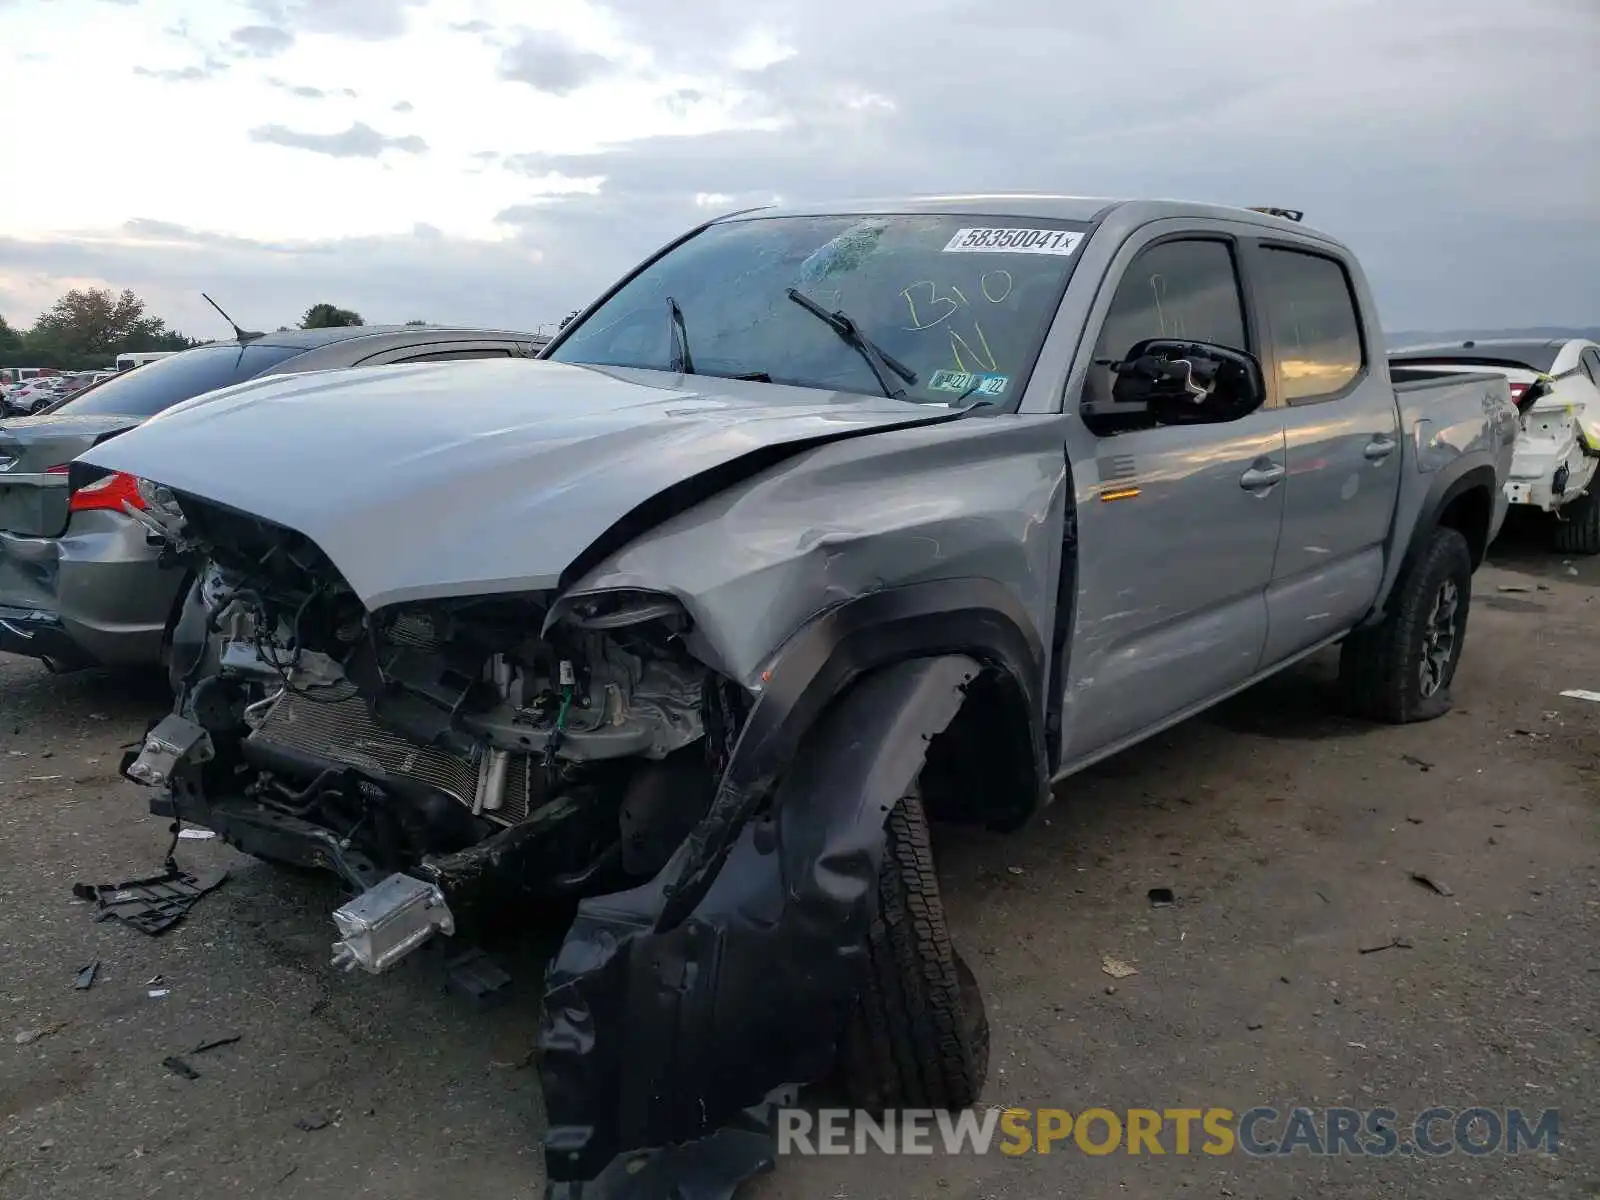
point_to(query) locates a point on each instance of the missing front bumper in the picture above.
(678, 1012)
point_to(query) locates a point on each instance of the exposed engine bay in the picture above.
(460, 761)
(439, 755)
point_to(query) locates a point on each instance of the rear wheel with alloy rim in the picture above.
(1400, 670)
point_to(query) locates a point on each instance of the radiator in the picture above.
(344, 732)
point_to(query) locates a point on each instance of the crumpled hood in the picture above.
(470, 478)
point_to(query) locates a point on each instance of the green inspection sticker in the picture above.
(975, 382)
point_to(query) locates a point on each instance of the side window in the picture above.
(452, 355)
(1591, 364)
(1181, 289)
(1315, 330)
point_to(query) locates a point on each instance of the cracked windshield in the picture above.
(942, 309)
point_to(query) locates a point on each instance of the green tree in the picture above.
(89, 327)
(328, 316)
(11, 346)
(416, 322)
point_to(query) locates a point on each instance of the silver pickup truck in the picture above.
(820, 524)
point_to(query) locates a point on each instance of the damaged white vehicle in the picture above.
(820, 524)
(1556, 385)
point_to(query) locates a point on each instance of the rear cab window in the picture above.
(159, 385)
(1318, 347)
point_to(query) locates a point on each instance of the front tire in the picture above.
(918, 1037)
(1401, 670)
(1578, 525)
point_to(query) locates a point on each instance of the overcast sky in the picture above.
(500, 161)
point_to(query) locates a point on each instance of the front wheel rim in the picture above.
(1439, 637)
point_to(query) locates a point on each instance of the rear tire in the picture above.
(1401, 670)
(1578, 525)
(918, 1037)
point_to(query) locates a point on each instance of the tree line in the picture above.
(88, 327)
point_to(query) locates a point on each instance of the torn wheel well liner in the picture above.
(978, 618)
(657, 1035)
(975, 617)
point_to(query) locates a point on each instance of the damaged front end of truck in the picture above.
(458, 760)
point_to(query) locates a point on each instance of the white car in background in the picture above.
(34, 394)
(1556, 385)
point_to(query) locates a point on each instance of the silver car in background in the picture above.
(82, 583)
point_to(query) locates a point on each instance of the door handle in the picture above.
(1263, 476)
(1380, 447)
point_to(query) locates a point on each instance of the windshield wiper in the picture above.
(882, 364)
(681, 362)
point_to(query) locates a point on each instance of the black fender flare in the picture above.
(978, 618)
(663, 1044)
(1448, 484)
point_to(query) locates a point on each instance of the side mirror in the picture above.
(1188, 383)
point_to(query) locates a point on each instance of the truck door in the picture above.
(1176, 525)
(1342, 431)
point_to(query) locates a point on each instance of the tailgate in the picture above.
(33, 498)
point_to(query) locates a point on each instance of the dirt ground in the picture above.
(1288, 835)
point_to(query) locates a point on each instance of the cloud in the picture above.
(471, 26)
(403, 106)
(359, 141)
(267, 284)
(364, 20)
(551, 64)
(173, 74)
(306, 92)
(1372, 117)
(261, 41)
(1468, 202)
(680, 101)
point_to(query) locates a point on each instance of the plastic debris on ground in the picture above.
(178, 1067)
(1116, 968)
(152, 905)
(1581, 694)
(1394, 943)
(29, 1036)
(86, 977)
(1432, 884)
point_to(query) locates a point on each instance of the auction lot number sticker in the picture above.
(1013, 241)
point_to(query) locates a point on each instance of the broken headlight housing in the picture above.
(620, 608)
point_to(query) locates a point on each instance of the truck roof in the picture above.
(1037, 204)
